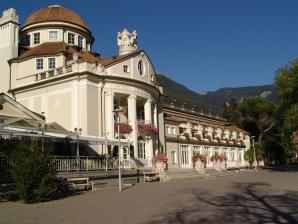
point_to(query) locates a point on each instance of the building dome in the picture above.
(55, 13)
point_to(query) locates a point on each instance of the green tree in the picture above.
(33, 173)
(231, 112)
(286, 81)
(258, 116)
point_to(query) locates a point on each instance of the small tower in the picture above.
(127, 42)
(9, 41)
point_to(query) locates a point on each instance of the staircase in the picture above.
(189, 174)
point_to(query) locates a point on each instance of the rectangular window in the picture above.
(71, 38)
(53, 35)
(51, 63)
(36, 38)
(173, 157)
(125, 68)
(80, 41)
(39, 64)
(173, 130)
(27, 40)
(168, 130)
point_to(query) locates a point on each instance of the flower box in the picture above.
(147, 129)
(124, 128)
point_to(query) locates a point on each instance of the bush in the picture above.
(33, 173)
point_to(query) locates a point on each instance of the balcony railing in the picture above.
(75, 164)
(53, 73)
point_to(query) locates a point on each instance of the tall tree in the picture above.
(286, 81)
(231, 112)
(259, 114)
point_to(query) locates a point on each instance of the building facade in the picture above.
(56, 74)
(189, 133)
(49, 67)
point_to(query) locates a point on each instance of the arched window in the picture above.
(141, 67)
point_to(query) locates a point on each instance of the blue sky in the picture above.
(204, 45)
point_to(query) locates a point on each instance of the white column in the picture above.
(132, 118)
(155, 115)
(148, 118)
(75, 104)
(148, 110)
(109, 115)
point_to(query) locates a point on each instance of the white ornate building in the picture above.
(53, 71)
(48, 66)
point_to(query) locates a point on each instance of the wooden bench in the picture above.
(74, 183)
(150, 176)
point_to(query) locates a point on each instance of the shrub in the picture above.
(33, 173)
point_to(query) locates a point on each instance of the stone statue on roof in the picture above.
(127, 42)
(127, 39)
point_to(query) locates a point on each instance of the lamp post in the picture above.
(43, 128)
(78, 132)
(117, 112)
(253, 145)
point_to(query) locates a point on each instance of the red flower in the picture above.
(160, 158)
(198, 136)
(147, 129)
(124, 128)
(208, 137)
(222, 158)
(186, 135)
(218, 139)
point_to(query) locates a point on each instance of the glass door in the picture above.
(184, 157)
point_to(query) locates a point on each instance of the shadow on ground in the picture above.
(252, 203)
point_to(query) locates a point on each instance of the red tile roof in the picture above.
(55, 13)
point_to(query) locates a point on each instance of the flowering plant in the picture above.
(218, 139)
(147, 129)
(222, 157)
(160, 158)
(215, 157)
(208, 137)
(197, 157)
(186, 135)
(124, 128)
(198, 136)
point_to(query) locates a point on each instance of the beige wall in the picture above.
(133, 69)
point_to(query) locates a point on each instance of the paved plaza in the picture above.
(248, 197)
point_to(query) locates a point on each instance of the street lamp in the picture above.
(43, 128)
(253, 145)
(117, 112)
(78, 132)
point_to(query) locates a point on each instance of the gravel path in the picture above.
(249, 197)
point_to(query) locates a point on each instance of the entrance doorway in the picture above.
(185, 161)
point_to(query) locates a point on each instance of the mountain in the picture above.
(210, 100)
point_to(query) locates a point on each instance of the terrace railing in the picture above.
(75, 164)
(87, 163)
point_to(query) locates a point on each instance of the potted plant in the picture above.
(198, 137)
(186, 135)
(124, 128)
(215, 159)
(147, 129)
(222, 159)
(198, 160)
(208, 137)
(160, 161)
(218, 139)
